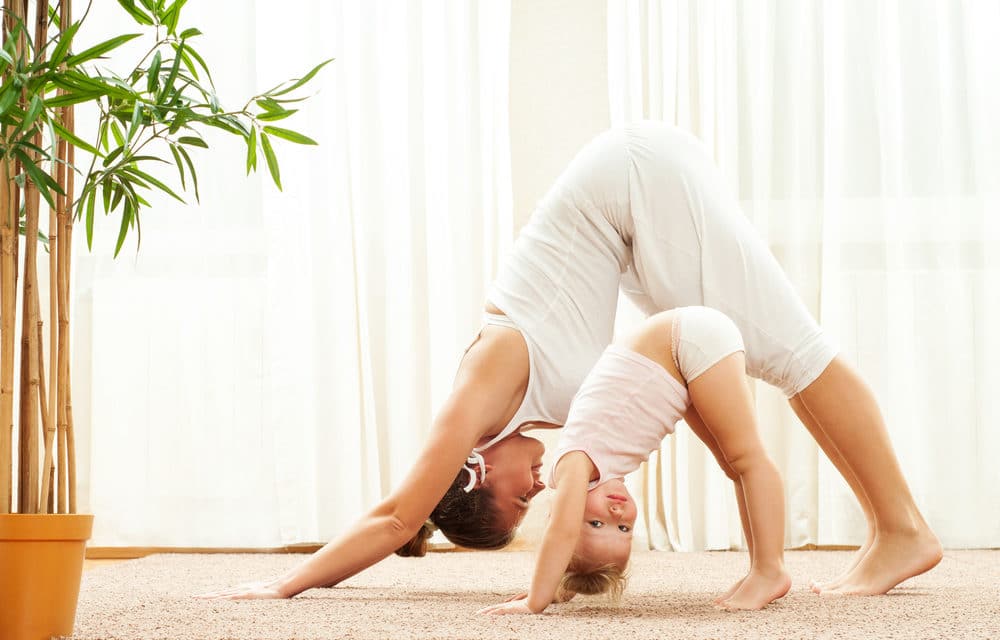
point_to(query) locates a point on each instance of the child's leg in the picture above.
(725, 406)
(697, 425)
(704, 348)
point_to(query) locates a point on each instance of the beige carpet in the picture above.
(437, 597)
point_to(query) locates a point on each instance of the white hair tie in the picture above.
(475, 458)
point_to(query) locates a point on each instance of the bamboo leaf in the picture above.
(194, 175)
(136, 119)
(194, 142)
(180, 120)
(90, 217)
(180, 165)
(156, 183)
(41, 179)
(116, 131)
(137, 14)
(34, 108)
(153, 75)
(65, 134)
(304, 79)
(188, 63)
(65, 39)
(134, 159)
(272, 161)
(288, 134)
(100, 49)
(108, 159)
(73, 98)
(269, 104)
(171, 77)
(106, 194)
(102, 134)
(8, 95)
(172, 14)
(119, 194)
(221, 123)
(273, 116)
(252, 150)
(287, 100)
(73, 80)
(201, 61)
(190, 33)
(123, 229)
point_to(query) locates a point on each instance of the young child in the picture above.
(685, 363)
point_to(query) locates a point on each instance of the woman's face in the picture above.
(513, 474)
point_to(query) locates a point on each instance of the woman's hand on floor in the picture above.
(518, 605)
(265, 590)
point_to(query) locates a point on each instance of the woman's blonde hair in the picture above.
(609, 579)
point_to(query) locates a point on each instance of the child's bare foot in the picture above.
(817, 586)
(891, 559)
(758, 590)
(728, 594)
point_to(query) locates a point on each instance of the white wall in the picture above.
(558, 101)
(558, 90)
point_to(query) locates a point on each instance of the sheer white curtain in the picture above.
(863, 141)
(266, 366)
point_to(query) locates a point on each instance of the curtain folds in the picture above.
(267, 365)
(859, 136)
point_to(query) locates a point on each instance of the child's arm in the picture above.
(572, 476)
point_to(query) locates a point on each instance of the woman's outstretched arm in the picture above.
(489, 380)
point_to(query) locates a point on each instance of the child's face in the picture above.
(608, 518)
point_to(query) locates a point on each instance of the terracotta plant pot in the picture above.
(41, 561)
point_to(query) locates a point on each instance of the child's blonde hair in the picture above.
(588, 580)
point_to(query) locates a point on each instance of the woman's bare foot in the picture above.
(855, 561)
(892, 558)
(728, 594)
(758, 590)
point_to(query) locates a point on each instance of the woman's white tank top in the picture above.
(559, 284)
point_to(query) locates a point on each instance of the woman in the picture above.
(642, 208)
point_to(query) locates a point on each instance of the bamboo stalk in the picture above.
(8, 291)
(61, 346)
(28, 421)
(48, 469)
(54, 244)
(61, 391)
(31, 345)
(68, 379)
(8, 309)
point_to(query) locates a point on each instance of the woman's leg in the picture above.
(692, 245)
(843, 414)
(845, 471)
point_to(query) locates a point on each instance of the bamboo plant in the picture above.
(162, 104)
